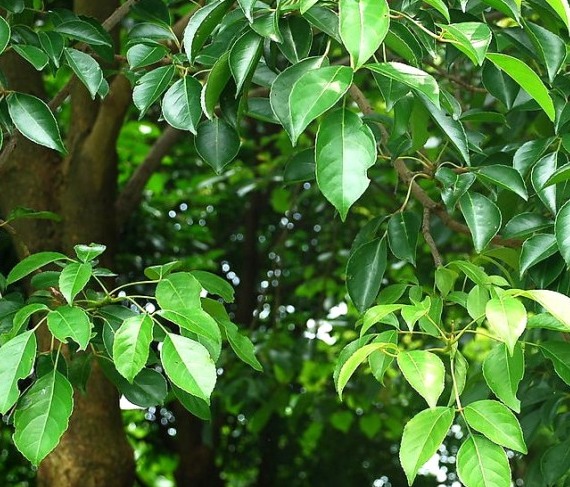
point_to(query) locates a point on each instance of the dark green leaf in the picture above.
(33, 263)
(181, 104)
(562, 230)
(141, 55)
(217, 143)
(83, 31)
(297, 38)
(151, 86)
(483, 218)
(537, 249)
(504, 177)
(215, 285)
(218, 78)
(503, 373)
(34, 55)
(243, 58)
(403, 231)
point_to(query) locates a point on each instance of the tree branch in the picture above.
(429, 239)
(131, 195)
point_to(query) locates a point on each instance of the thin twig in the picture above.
(429, 239)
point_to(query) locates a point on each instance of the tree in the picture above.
(462, 106)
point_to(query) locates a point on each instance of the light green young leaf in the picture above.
(364, 272)
(195, 320)
(314, 93)
(33, 118)
(217, 143)
(73, 279)
(562, 231)
(349, 366)
(244, 57)
(380, 361)
(86, 253)
(425, 372)
(42, 416)
(131, 345)
(497, 423)
(179, 291)
(17, 357)
(445, 280)
(477, 299)
(86, 69)
(70, 322)
(555, 303)
(423, 435)
(215, 285)
(241, 345)
(188, 365)
(23, 315)
(471, 38)
(413, 77)
(562, 8)
(151, 86)
(481, 463)
(376, 313)
(506, 318)
(503, 372)
(345, 149)
(527, 79)
(363, 26)
(483, 218)
(32, 263)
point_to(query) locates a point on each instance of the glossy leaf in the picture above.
(241, 345)
(403, 231)
(83, 31)
(179, 291)
(70, 322)
(482, 217)
(314, 93)
(497, 423)
(542, 171)
(217, 143)
(562, 8)
(345, 149)
(364, 272)
(151, 86)
(17, 357)
(504, 177)
(141, 55)
(363, 26)
(195, 320)
(201, 25)
(413, 77)
(500, 85)
(422, 437)
(198, 407)
(33, 118)
(559, 354)
(34, 55)
(552, 49)
(32, 263)
(188, 365)
(181, 104)
(86, 69)
(503, 372)
(348, 367)
(425, 372)
(471, 38)
(527, 79)
(506, 318)
(215, 285)
(243, 58)
(562, 231)
(325, 20)
(43, 416)
(555, 303)
(380, 361)
(297, 38)
(87, 253)
(481, 463)
(218, 78)
(5, 33)
(73, 279)
(536, 249)
(247, 6)
(131, 345)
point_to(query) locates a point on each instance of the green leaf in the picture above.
(247, 7)
(363, 26)
(13, 6)
(562, 8)
(537, 249)
(551, 48)
(483, 218)
(425, 372)
(86, 69)
(376, 314)
(460, 369)
(215, 285)
(528, 154)
(158, 272)
(403, 231)
(146, 31)
(445, 280)
(415, 78)
(497, 423)
(151, 86)
(562, 230)
(499, 85)
(152, 10)
(525, 224)
(241, 345)
(267, 26)
(542, 171)
(282, 86)
(218, 78)
(297, 38)
(148, 389)
(440, 6)
(195, 320)
(477, 301)
(198, 407)
(556, 304)
(504, 177)
(554, 462)
(17, 357)
(188, 365)
(325, 20)
(345, 149)
(33, 263)
(422, 437)
(313, 94)
(34, 55)
(378, 360)
(201, 25)
(179, 291)
(481, 463)
(503, 372)
(42, 416)
(52, 43)
(364, 272)
(33, 118)
(181, 104)
(73, 280)
(217, 143)
(527, 79)
(87, 253)
(506, 319)
(471, 38)
(349, 366)
(131, 345)
(301, 167)
(244, 57)
(141, 55)
(84, 32)
(561, 175)
(70, 322)
(22, 317)
(559, 354)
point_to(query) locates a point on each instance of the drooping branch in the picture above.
(407, 177)
(131, 195)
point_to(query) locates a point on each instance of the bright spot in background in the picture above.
(145, 129)
(337, 311)
(321, 330)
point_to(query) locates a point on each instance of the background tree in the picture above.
(433, 105)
